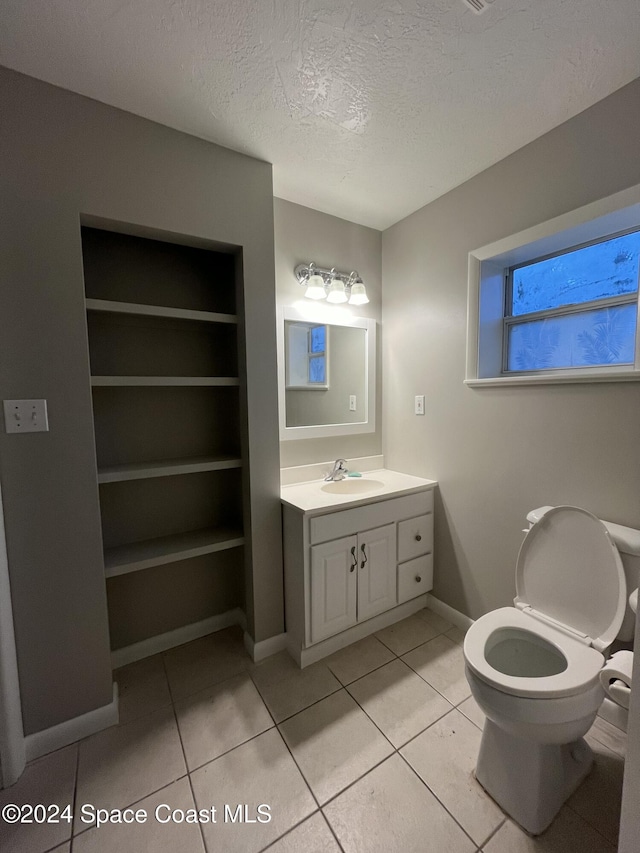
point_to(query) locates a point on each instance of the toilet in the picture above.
(534, 668)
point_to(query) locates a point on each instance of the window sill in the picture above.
(556, 379)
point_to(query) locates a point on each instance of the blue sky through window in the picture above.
(317, 339)
(602, 270)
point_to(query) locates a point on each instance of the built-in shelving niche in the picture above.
(163, 350)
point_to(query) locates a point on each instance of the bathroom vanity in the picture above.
(358, 556)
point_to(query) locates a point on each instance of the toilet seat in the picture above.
(571, 594)
(569, 574)
(583, 662)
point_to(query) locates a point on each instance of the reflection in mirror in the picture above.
(326, 372)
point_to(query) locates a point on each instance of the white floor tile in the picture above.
(311, 836)
(599, 797)
(260, 772)
(456, 635)
(333, 743)
(287, 689)
(206, 661)
(49, 781)
(567, 834)
(390, 810)
(441, 663)
(407, 634)
(399, 702)
(445, 757)
(358, 659)
(473, 712)
(219, 718)
(162, 835)
(142, 688)
(437, 622)
(123, 764)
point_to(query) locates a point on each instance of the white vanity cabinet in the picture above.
(354, 570)
(352, 579)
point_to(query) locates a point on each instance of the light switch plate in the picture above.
(25, 416)
(419, 404)
(352, 402)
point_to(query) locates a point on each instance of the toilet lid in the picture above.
(568, 569)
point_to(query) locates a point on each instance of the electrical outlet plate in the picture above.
(25, 416)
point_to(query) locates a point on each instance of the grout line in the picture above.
(495, 831)
(184, 756)
(375, 669)
(438, 800)
(135, 802)
(310, 705)
(359, 779)
(332, 830)
(592, 826)
(75, 797)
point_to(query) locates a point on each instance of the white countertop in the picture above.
(311, 498)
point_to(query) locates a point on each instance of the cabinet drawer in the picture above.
(415, 537)
(415, 577)
(336, 524)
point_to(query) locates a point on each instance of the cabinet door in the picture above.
(334, 578)
(377, 571)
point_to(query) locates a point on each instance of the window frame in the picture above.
(489, 289)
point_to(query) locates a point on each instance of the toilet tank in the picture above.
(627, 541)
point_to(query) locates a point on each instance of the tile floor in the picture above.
(369, 750)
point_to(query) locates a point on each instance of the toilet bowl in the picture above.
(534, 668)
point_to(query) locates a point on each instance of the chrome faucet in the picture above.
(339, 472)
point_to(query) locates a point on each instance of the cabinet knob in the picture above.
(418, 537)
(418, 578)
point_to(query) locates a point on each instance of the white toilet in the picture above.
(534, 668)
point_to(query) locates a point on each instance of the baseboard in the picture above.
(72, 730)
(163, 642)
(454, 616)
(264, 648)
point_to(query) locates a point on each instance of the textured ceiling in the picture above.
(367, 109)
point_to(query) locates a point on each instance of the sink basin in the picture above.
(352, 486)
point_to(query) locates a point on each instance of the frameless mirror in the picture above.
(326, 375)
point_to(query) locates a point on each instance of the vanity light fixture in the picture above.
(331, 285)
(314, 284)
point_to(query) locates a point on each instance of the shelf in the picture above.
(108, 306)
(122, 381)
(166, 468)
(168, 549)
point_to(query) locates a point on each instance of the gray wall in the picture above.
(302, 235)
(64, 156)
(498, 452)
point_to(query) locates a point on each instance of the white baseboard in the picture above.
(163, 642)
(264, 648)
(454, 616)
(72, 730)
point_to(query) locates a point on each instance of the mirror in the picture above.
(326, 367)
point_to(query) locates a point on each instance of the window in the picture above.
(317, 359)
(559, 302)
(307, 356)
(574, 309)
